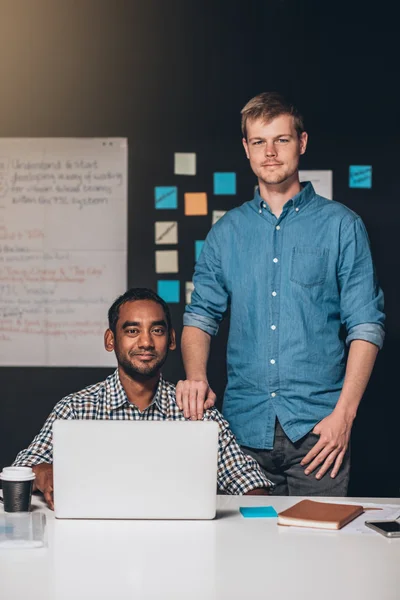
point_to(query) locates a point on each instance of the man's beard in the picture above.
(144, 372)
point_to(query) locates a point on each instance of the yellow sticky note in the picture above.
(196, 204)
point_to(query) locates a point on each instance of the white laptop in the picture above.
(135, 469)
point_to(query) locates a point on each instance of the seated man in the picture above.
(140, 333)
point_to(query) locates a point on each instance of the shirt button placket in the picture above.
(273, 378)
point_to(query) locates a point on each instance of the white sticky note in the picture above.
(185, 163)
(217, 214)
(189, 287)
(321, 180)
(166, 232)
(166, 261)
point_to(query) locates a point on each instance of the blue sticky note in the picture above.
(251, 512)
(360, 176)
(169, 290)
(224, 183)
(166, 197)
(198, 245)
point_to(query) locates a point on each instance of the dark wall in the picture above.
(173, 76)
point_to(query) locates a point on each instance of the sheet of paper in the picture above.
(196, 204)
(169, 290)
(389, 512)
(167, 261)
(185, 163)
(217, 214)
(166, 232)
(166, 197)
(63, 248)
(189, 287)
(321, 180)
(360, 176)
(224, 183)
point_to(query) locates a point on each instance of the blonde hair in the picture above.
(268, 106)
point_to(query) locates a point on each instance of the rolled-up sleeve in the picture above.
(41, 448)
(361, 298)
(209, 300)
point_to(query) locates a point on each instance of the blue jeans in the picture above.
(282, 466)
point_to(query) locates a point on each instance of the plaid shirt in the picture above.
(237, 472)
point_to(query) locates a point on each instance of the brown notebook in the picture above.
(323, 515)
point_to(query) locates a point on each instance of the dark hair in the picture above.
(268, 106)
(132, 295)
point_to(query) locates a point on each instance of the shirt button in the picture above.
(272, 361)
(297, 209)
(260, 211)
(273, 327)
(264, 205)
(275, 260)
(273, 394)
(274, 293)
(278, 227)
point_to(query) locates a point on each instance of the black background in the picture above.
(172, 76)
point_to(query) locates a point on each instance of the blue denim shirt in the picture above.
(294, 284)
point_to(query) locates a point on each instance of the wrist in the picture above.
(348, 413)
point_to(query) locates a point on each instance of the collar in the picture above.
(116, 397)
(299, 201)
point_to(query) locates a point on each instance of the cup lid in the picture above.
(17, 474)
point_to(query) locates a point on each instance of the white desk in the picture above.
(228, 558)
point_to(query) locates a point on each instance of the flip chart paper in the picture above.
(63, 248)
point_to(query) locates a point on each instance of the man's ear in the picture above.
(303, 142)
(172, 340)
(109, 340)
(246, 147)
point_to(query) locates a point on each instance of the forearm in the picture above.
(259, 492)
(360, 362)
(195, 347)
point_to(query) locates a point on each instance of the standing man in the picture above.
(306, 314)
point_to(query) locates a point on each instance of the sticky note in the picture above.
(169, 290)
(185, 163)
(251, 512)
(189, 287)
(166, 197)
(167, 261)
(321, 180)
(196, 204)
(166, 232)
(224, 183)
(360, 176)
(217, 214)
(198, 245)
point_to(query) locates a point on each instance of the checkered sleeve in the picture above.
(41, 448)
(238, 473)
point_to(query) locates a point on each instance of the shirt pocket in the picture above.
(309, 266)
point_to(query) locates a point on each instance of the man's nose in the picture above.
(270, 149)
(145, 340)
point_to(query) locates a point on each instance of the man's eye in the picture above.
(131, 331)
(257, 143)
(158, 331)
(283, 140)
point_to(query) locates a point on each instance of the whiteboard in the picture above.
(63, 248)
